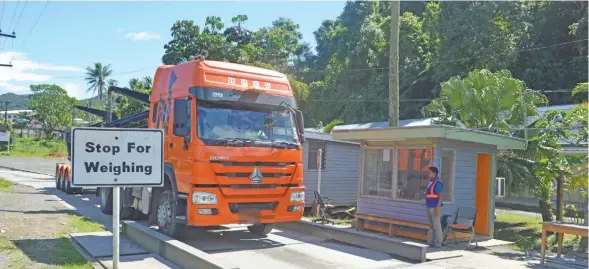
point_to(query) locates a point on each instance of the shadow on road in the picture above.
(340, 246)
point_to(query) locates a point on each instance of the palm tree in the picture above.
(97, 77)
(495, 102)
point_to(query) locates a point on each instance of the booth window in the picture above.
(314, 146)
(447, 173)
(378, 173)
(412, 173)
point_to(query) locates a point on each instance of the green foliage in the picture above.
(29, 147)
(327, 129)
(97, 76)
(52, 105)
(128, 106)
(494, 101)
(581, 87)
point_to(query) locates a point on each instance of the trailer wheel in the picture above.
(166, 216)
(62, 180)
(68, 187)
(105, 200)
(260, 229)
(57, 181)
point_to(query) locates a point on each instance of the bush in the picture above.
(38, 147)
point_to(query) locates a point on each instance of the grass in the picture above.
(344, 221)
(5, 186)
(64, 252)
(28, 147)
(58, 253)
(526, 233)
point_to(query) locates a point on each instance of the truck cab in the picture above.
(232, 148)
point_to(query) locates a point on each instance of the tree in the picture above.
(495, 102)
(237, 33)
(97, 77)
(329, 127)
(52, 105)
(128, 106)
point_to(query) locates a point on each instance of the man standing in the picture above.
(433, 203)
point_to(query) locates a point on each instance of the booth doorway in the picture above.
(483, 185)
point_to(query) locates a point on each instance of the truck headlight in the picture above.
(298, 196)
(204, 198)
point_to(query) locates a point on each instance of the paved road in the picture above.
(37, 165)
(281, 249)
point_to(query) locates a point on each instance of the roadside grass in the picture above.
(5, 185)
(526, 233)
(58, 253)
(342, 221)
(64, 253)
(28, 147)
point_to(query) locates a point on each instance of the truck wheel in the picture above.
(260, 229)
(105, 200)
(166, 215)
(62, 181)
(57, 182)
(68, 187)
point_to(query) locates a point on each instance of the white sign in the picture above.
(4, 136)
(110, 157)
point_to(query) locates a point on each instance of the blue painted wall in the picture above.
(464, 186)
(339, 179)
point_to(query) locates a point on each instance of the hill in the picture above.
(21, 101)
(16, 101)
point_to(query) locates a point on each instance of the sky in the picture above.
(130, 36)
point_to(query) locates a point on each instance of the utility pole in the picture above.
(6, 111)
(13, 35)
(394, 65)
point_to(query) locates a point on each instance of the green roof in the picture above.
(430, 132)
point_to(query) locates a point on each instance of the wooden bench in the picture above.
(393, 229)
(394, 224)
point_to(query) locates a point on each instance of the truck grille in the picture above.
(267, 164)
(247, 175)
(236, 207)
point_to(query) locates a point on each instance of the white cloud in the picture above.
(142, 36)
(120, 30)
(24, 70)
(76, 90)
(9, 87)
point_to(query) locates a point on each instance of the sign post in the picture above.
(117, 157)
(5, 137)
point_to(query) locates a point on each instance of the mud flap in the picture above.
(141, 198)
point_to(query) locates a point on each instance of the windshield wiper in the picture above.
(234, 142)
(284, 145)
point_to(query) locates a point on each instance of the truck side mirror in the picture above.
(181, 118)
(300, 121)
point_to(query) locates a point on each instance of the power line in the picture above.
(35, 24)
(11, 21)
(2, 15)
(20, 16)
(378, 68)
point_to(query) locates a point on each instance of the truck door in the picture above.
(181, 152)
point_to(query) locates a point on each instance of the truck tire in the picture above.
(166, 216)
(57, 181)
(63, 181)
(105, 194)
(68, 187)
(105, 200)
(261, 229)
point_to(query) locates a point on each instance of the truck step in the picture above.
(181, 219)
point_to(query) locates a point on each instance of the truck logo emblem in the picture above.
(256, 176)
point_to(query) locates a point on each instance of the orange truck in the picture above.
(232, 149)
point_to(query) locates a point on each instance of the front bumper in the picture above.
(244, 209)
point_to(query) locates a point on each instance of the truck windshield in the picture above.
(269, 125)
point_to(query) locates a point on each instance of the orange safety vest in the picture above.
(431, 193)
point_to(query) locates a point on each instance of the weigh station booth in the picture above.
(393, 176)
